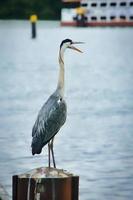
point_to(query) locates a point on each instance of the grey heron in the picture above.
(53, 113)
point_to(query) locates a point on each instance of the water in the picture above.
(96, 142)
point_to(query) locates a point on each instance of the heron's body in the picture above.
(49, 121)
(53, 114)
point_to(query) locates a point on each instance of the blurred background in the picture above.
(22, 9)
(96, 141)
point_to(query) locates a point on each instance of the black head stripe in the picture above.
(65, 41)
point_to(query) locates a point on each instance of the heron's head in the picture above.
(68, 43)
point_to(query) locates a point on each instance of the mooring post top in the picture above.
(46, 172)
(33, 18)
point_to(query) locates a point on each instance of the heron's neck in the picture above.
(60, 86)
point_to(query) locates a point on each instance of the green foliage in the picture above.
(22, 9)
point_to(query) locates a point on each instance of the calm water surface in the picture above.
(97, 140)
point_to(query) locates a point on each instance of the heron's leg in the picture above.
(52, 151)
(49, 154)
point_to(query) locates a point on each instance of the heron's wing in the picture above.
(56, 119)
(50, 119)
(42, 116)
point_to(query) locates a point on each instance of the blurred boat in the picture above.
(97, 13)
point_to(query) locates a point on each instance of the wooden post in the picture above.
(33, 19)
(46, 184)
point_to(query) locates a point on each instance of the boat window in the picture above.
(131, 17)
(93, 4)
(123, 4)
(112, 17)
(122, 17)
(112, 4)
(94, 18)
(84, 4)
(131, 3)
(103, 4)
(103, 17)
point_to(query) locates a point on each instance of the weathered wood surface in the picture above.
(46, 184)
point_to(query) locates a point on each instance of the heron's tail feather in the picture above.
(36, 146)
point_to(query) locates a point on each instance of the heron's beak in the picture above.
(75, 48)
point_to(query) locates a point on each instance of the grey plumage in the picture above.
(49, 121)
